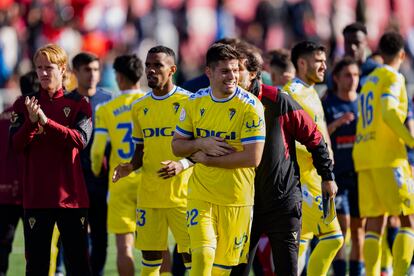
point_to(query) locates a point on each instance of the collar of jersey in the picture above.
(224, 99)
(391, 69)
(172, 91)
(296, 79)
(130, 91)
(59, 93)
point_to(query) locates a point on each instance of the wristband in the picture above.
(185, 163)
(192, 161)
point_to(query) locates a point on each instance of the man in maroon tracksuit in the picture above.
(50, 128)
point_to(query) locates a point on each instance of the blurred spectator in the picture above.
(11, 177)
(112, 27)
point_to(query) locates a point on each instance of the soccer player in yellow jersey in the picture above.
(161, 201)
(222, 128)
(384, 174)
(309, 60)
(113, 123)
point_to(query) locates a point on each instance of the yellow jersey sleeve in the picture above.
(390, 101)
(185, 124)
(137, 136)
(99, 141)
(253, 128)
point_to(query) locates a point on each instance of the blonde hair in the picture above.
(54, 53)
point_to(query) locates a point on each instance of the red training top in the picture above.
(53, 175)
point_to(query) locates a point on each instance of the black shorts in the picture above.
(346, 201)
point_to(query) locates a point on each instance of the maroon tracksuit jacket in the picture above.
(53, 175)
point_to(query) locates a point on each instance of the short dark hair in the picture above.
(29, 83)
(163, 49)
(355, 27)
(129, 66)
(390, 44)
(304, 48)
(82, 59)
(346, 61)
(280, 58)
(249, 52)
(233, 41)
(220, 51)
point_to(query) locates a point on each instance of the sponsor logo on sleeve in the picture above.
(182, 115)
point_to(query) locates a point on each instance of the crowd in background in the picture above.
(112, 29)
(109, 28)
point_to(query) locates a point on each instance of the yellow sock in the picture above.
(54, 250)
(151, 268)
(221, 270)
(386, 257)
(324, 253)
(303, 248)
(166, 274)
(402, 250)
(202, 260)
(372, 253)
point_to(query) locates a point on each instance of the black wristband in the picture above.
(328, 176)
(191, 160)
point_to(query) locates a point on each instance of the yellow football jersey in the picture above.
(240, 120)
(377, 145)
(308, 98)
(113, 122)
(154, 120)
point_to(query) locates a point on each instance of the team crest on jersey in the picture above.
(32, 222)
(145, 111)
(232, 112)
(202, 112)
(176, 106)
(66, 110)
(13, 117)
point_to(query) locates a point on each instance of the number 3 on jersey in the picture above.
(367, 110)
(127, 139)
(141, 217)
